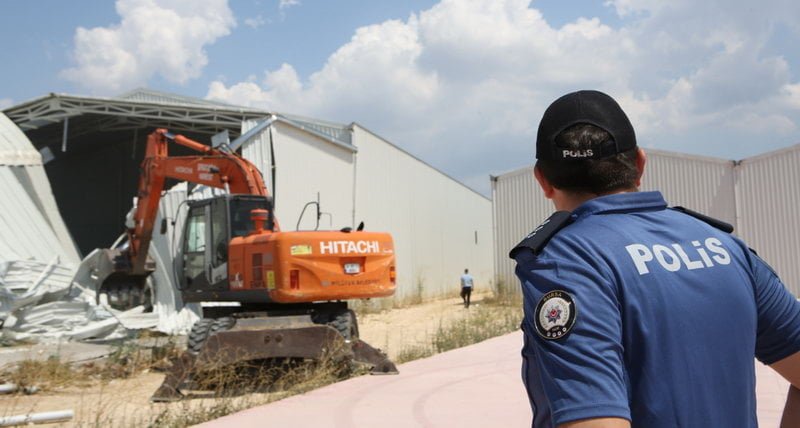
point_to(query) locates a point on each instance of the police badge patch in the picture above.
(555, 315)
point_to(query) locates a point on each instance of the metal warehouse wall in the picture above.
(305, 165)
(439, 225)
(768, 195)
(700, 183)
(519, 207)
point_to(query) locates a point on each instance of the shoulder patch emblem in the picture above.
(555, 315)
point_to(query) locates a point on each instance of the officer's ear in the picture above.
(641, 160)
(547, 188)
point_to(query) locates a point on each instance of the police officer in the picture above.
(637, 314)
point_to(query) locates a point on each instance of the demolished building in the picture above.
(91, 148)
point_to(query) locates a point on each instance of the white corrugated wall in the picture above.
(768, 192)
(440, 227)
(702, 184)
(699, 183)
(305, 165)
(519, 207)
(257, 151)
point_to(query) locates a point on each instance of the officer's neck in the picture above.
(569, 201)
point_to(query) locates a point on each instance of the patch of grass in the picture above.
(187, 414)
(494, 317)
(129, 358)
(505, 294)
(417, 295)
(480, 325)
(126, 359)
(45, 374)
(414, 353)
(242, 386)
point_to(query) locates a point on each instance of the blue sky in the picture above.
(38, 37)
(459, 83)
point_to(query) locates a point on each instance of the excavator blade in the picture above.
(248, 342)
(364, 353)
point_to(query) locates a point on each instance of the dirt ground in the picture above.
(125, 402)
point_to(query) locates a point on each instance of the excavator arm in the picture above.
(213, 167)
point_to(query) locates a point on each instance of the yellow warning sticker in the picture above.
(300, 250)
(270, 280)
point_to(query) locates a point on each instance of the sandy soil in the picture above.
(397, 329)
(125, 403)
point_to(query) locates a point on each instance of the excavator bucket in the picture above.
(249, 340)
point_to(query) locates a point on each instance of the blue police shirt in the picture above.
(645, 313)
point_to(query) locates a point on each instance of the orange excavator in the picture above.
(286, 292)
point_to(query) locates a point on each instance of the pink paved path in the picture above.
(476, 386)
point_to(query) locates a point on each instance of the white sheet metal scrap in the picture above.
(44, 293)
(50, 301)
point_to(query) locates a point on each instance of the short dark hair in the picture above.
(597, 176)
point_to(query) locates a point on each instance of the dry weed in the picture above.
(495, 316)
(241, 386)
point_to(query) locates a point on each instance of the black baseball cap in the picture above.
(592, 107)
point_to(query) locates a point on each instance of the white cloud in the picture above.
(791, 93)
(6, 103)
(375, 65)
(464, 83)
(163, 38)
(255, 22)
(285, 4)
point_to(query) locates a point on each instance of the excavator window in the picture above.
(241, 224)
(219, 231)
(194, 257)
(196, 233)
(205, 252)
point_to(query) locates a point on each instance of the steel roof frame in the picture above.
(54, 108)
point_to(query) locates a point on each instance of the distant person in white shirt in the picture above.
(466, 287)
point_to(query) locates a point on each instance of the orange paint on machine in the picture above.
(302, 272)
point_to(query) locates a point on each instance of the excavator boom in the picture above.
(213, 168)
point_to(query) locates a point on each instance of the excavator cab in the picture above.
(210, 226)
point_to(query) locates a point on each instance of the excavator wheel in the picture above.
(204, 328)
(221, 324)
(344, 321)
(346, 324)
(198, 335)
